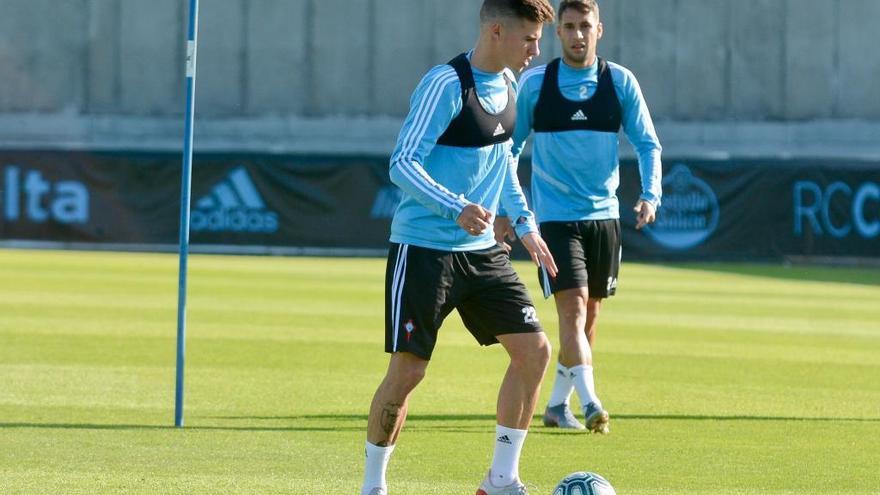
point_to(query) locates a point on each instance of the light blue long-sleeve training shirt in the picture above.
(439, 181)
(575, 174)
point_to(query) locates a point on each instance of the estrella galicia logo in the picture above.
(690, 211)
(234, 205)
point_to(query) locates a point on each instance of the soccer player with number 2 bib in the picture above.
(576, 105)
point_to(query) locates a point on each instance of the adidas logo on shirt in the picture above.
(499, 130)
(234, 205)
(579, 115)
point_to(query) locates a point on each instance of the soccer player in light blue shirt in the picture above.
(576, 106)
(428, 173)
(453, 163)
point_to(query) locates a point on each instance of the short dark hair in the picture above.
(583, 6)
(532, 10)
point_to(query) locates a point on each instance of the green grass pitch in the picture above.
(721, 379)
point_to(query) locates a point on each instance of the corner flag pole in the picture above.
(185, 187)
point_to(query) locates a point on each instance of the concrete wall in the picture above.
(711, 61)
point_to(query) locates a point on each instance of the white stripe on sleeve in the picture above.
(425, 112)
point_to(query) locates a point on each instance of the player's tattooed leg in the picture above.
(390, 415)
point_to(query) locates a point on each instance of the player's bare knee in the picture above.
(540, 355)
(405, 373)
(402, 381)
(532, 358)
(546, 353)
(575, 314)
(572, 304)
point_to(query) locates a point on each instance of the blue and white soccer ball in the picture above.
(583, 483)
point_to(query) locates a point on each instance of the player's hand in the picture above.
(474, 219)
(537, 248)
(504, 231)
(645, 213)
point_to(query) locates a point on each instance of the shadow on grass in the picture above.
(412, 420)
(537, 417)
(93, 426)
(861, 275)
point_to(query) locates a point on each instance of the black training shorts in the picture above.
(423, 285)
(587, 254)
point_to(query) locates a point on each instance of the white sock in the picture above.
(582, 377)
(562, 386)
(374, 467)
(505, 463)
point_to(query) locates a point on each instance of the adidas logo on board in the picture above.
(234, 205)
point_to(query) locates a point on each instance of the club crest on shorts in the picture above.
(410, 327)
